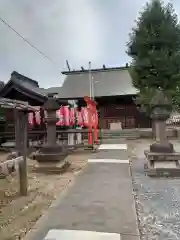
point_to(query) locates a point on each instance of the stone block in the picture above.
(153, 156)
(165, 147)
(165, 165)
(51, 167)
(162, 165)
(50, 157)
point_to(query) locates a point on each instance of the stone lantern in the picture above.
(161, 110)
(162, 159)
(51, 155)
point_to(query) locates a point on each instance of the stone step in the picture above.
(127, 134)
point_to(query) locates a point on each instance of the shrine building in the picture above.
(113, 92)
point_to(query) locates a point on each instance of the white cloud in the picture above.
(79, 31)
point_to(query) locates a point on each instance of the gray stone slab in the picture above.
(113, 147)
(56, 234)
(100, 200)
(111, 154)
(106, 160)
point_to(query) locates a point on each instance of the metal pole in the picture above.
(92, 84)
(90, 81)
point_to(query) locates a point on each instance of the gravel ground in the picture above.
(158, 200)
(19, 214)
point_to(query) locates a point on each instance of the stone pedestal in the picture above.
(51, 167)
(162, 160)
(162, 164)
(51, 156)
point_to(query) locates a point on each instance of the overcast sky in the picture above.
(76, 30)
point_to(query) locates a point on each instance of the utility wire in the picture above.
(26, 40)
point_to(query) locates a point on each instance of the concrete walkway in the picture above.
(100, 201)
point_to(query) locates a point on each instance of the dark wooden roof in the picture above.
(24, 79)
(2, 84)
(24, 86)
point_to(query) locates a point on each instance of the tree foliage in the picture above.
(154, 47)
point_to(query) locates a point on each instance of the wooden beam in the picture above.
(21, 130)
(23, 164)
(15, 104)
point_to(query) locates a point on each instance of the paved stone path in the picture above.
(100, 201)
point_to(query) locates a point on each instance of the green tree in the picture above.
(154, 47)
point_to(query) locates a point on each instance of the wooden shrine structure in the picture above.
(21, 110)
(21, 88)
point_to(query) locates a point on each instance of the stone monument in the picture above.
(162, 160)
(51, 156)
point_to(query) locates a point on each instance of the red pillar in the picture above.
(93, 120)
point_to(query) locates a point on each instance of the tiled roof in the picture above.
(113, 82)
(26, 83)
(26, 86)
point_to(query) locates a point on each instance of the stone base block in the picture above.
(51, 149)
(51, 167)
(165, 147)
(162, 164)
(154, 156)
(50, 157)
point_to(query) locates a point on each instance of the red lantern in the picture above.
(85, 116)
(72, 116)
(79, 118)
(60, 116)
(38, 118)
(66, 116)
(30, 119)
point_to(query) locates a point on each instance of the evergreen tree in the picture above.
(154, 47)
